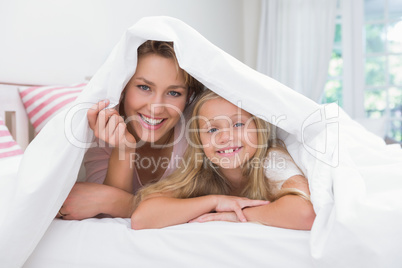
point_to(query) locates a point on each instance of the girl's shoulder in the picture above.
(279, 165)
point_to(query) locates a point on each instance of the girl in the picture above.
(233, 173)
(152, 104)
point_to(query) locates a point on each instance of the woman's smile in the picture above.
(151, 123)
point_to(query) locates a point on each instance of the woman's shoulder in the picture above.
(100, 150)
(96, 161)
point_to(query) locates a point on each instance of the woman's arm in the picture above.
(87, 200)
(110, 127)
(161, 211)
(289, 211)
(121, 169)
(90, 199)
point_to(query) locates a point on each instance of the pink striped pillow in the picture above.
(8, 146)
(42, 103)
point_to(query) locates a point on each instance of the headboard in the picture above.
(13, 112)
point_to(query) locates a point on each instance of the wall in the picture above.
(60, 42)
(251, 27)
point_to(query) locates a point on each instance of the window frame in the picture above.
(354, 56)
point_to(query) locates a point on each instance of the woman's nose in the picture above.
(157, 105)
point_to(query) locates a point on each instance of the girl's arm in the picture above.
(162, 210)
(289, 211)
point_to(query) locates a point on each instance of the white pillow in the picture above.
(8, 146)
(43, 103)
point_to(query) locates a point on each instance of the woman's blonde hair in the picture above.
(199, 176)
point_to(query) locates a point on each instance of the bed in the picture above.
(101, 242)
(355, 179)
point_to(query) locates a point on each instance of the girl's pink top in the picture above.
(96, 160)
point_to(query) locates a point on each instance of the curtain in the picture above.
(295, 43)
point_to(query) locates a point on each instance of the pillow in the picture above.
(8, 146)
(44, 102)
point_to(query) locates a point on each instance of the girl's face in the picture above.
(155, 98)
(228, 134)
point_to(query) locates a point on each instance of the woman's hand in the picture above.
(87, 200)
(109, 126)
(218, 216)
(235, 204)
(83, 202)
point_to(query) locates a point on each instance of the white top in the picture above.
(279, 166)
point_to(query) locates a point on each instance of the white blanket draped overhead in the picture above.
(355, 179)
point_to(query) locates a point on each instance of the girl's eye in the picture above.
(212, 130)
(238, 125)
(174, 93)
(143, 87)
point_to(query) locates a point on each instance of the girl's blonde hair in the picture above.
(201, 177)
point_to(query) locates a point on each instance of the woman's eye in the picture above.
(143, 87)
(212, 130)
(174, 93)
(238, 125)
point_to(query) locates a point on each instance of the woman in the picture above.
(152, 104)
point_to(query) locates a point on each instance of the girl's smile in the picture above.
(228, 134)
(229, 151)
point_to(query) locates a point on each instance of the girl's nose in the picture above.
(225, 135)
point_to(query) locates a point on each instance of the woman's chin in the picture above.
(155, 138)
(159, 135)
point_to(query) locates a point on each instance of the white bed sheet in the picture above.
(9, 168)
(111, 243)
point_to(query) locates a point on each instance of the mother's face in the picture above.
(155, 98)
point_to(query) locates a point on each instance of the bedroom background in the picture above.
(356, 45)
(330, 50)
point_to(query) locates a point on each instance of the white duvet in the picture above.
(355, 179)
(111, 243)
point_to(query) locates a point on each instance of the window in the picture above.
(333, 87)
(381, 91)
(383, 63)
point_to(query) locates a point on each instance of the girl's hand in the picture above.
(109, 126)
(219, 216)
(226, 203)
